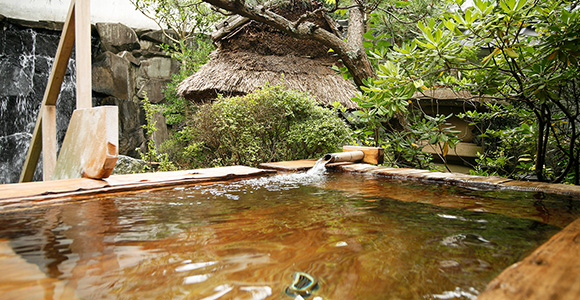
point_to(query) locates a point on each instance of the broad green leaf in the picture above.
(449, 24)
(438, 35)
(369, 35)
(504, 6)
(511, 53)
(433, 140)
(520, 4)
(418, 83)
(459, 18)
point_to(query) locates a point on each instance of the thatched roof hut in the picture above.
(251, 54)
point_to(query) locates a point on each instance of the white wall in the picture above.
(113, 11)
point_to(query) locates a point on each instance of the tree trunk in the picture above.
(351, 52)
(543, 126)
(355, 59)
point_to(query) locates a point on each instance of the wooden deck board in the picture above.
(18, 195)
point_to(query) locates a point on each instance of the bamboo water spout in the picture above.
(350, 156)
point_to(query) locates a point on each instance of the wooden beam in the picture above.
(373, 155)
(55, 79)
(48, 141)
(83, 53)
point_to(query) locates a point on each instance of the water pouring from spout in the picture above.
(319, 167)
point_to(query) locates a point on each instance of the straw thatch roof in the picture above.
(251, 55)
(239, 73)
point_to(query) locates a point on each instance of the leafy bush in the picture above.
(271, 124)
(153, 155)
(176, 108)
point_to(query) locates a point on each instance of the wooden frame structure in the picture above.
(75, 33)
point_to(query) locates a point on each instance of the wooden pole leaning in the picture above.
(63, 52)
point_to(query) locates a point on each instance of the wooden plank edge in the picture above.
(27, 202)
(463, 180)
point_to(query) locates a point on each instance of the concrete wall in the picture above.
(113, 11)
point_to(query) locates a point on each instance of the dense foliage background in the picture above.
(519, 57)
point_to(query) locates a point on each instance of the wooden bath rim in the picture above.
(552, 271)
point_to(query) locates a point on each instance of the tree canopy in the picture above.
(522, 52)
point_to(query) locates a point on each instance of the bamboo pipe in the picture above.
(349, 156)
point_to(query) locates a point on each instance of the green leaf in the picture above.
(449, 24)
(520, 4)
(369, 35)
(433, 140)
(418, 83)
(511, 53)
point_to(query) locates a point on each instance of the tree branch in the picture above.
(351, 51)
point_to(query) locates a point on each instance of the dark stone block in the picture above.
(16, 75)
(18, 42)
(116, 37)
(46, 44)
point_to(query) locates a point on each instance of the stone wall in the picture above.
(127, 65)
(128, 68)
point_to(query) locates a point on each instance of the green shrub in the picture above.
(153, 155)
(176, 108)
(271, 124)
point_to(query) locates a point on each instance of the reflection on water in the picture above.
(360, 237)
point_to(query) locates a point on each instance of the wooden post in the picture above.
(373, 155)
(83, 53)
(48, 141)
(55, 79)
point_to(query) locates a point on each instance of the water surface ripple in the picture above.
(362, 237)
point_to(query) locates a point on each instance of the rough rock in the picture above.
(116, 37)
(148, 46)
(110, 76)
(131, 132)
(156, 36)
(162, 134)
(129, 57)
(48, 25)
(129, 165)
(159, 67)
(153, 76)
(153, 88)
